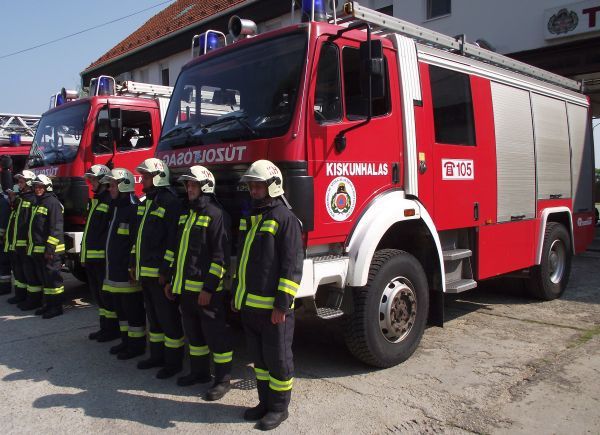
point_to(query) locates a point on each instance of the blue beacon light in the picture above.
(319, 5)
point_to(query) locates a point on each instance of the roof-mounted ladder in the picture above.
(142, 90)
(384, 24)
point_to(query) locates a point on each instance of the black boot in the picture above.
(199, 371)
(31, 303)
(20, 296)
(54, 311)
(173, 362)
(41, 310)
(272, 419)
(168, 372)
(156, 357)
(122, 346)
(136, 346)
(107, 336)
(260, 410)
(217, 391)
(95, 335)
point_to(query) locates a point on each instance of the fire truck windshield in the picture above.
(58, 136)
(244, 93)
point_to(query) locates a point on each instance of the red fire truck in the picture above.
(16, 135)
(117, 125)
(419, 164)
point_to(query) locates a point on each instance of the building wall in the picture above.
(509, 25)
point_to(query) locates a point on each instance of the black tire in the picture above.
(546, 282)
(365, 334)
(78, 271)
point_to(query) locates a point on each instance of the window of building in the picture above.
(165, 76)
(356, 104)
(452, 107)
(328, 93)
(438, 8)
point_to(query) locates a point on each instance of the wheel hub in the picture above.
(397, 309)
(557, 260)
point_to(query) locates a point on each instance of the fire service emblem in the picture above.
(340, 199)
(564, 21)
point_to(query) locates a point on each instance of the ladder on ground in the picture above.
(383, 24)
(23, 125)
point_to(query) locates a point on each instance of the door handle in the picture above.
(422, 167)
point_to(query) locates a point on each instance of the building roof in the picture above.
(176, 16)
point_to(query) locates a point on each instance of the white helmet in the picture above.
(266, 171)
(44, 180)
(200, 175)
(158, 169)
(28, 176)
(123, 177)
(97, 171)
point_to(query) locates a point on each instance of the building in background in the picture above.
(156, 51)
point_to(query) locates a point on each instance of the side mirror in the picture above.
(373, 68)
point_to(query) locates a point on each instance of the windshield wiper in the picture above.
(177, 130)
(240, 119)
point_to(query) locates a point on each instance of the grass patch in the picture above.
(585, 336)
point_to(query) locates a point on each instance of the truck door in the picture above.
(454, 143)
(347, 179)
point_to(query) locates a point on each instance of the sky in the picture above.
(28, 79)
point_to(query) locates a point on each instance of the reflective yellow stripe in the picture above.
(261, 374)
(123, 326)
(38, 249)
(95, 254)
(157, 338)
(34, 288)
(85, 230)
(222, 358)
(110, 314)
(173, 343)
(217, 270)
(123, 229)
(141, 209)
(53, 240)
(198, 350)
(54, 291)
(116, 289)
(25, 204)
(138, 241)
(159, 212)
(150, 272)
(182, 219)
(193, 286)
(277, 385)
(263, 302)
(203, 221)
(136, 332)
(59, 249)
(102, 208)
(41, 210)
(183, 245)
(241, 288)
(102, 312)
(270, 226)
(287, 286)
(21, 243)
(30, 247)
(20, 284)
(243, 225)
(169, 255)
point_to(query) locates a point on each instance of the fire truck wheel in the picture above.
(549, 280)
(390, 312)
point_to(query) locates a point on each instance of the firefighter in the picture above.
(201, 254)
(158, 218)
(270, 256)
(93, 254)
(121, 294)
(46, 245)
(28, 290)
(5, 270)
(7, 246)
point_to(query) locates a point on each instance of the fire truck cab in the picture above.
(118, 125)
(418, 164)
